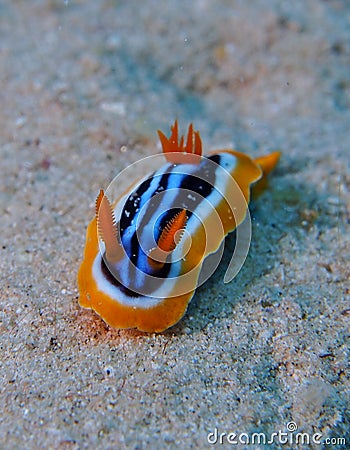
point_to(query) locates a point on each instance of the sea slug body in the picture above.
(144, 252)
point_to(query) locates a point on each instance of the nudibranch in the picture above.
(145, 251)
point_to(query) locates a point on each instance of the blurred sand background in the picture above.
(84, 87)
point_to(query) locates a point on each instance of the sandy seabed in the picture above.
(84, 87)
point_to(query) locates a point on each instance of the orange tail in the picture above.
(267, 163)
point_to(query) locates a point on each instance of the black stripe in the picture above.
(112, 280)
(132, 204)
(151, 286)
(201, 182)
(133, 201)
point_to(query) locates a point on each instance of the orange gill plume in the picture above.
(176, 152)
